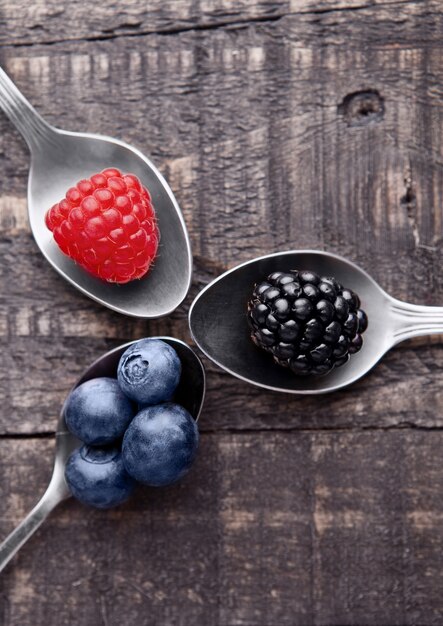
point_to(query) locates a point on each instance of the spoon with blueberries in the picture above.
(302, 321)
(131, 418)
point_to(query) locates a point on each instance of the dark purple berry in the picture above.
(289, 331)
(362, 321)
(300, 365)
(272, 322)
(341, 347)
(259, 313)
(284, 350)
(307, 323)
(356, 344)
(273, 278)
(341, 308)
(302, 309)
(311, 292)
(325, 311)
(350, 326)
(285, 279)
(290, 290)
(323, 368)
(313, 329)
(270, 294)
(321, 353)
(327, 291)
(332, 332)
(260, 288)
(309, 277)
(281, 308)
(267, 337)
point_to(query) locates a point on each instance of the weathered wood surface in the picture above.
(278, 124)
(310, 528)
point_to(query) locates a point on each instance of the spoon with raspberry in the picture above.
(96, 208)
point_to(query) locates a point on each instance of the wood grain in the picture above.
(279, 124)
(270, 528)
(267, 146)
(47, 21)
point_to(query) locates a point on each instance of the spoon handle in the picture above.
(55, 493)
(413, 320)
(22, 114)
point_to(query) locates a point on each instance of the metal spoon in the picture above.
(217, 319)
(59, 159)
(189, 394)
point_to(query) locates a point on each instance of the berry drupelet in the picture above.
(309, 323)
(107, 225)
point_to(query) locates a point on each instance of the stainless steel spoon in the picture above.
(217, 319)
(190, 394)
(59, 159)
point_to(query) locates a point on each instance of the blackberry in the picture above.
(309, 323)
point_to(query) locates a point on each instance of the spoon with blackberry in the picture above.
(302, 321)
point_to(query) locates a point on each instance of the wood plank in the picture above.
(270, 529)
(266, 147)
(46, 21)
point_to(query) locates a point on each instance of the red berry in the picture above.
(107, 225)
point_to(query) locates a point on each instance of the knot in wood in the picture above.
(362, 108)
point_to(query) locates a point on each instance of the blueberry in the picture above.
(160, 444)
(96, 476)
(98, 412)
(149, 371)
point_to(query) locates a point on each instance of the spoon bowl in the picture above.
(62, 158)
(218, 323)
(190, 394)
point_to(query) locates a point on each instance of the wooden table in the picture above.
(306, 123)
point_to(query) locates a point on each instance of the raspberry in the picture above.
(107, 225)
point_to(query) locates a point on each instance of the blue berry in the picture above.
(149, 371)
(160, 444)
(98, 412)
(96, 476)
